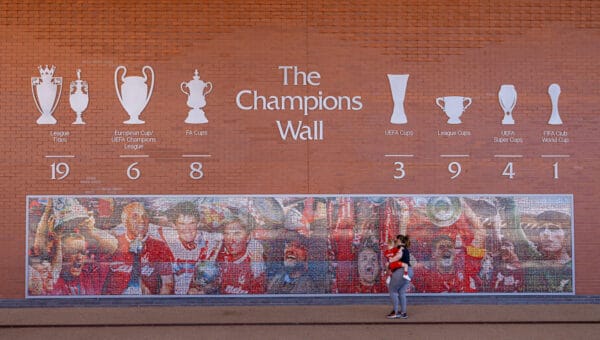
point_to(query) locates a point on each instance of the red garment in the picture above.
(156, 259)
(389, 254)
(428, 280)
(89, 282)
(241, 276)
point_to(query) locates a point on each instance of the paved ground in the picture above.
(364, 321)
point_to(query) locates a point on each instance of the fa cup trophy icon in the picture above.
(198, 89)
(46, 91)
(134, 94)
(398, 85)
(79, 97)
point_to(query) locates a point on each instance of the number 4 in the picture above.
(508, 171)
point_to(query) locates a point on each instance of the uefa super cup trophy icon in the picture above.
(134, 95)
(198, 89)
(507, 96)
(398, 85)
(46, 90)
(79, 98)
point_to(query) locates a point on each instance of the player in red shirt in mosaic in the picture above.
(142, 263)
(188, 245)
(241, 262)
(454, 267)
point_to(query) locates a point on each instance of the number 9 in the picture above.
(454, 168)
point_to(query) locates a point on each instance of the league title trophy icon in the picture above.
(554, 92)
(507, 96)
(198, 89)
(398, 85)
(79, 98)
(134, 95)
(46, 90)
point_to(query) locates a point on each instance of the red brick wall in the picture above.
(466, 48)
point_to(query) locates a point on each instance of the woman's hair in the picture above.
(404, 240)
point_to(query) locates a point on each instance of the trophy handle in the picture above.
(117, 84)
(210, 87)
(35, 81)
(469, 104)
(183, 83)
(57, 98)
(151, 85)
(438, 100)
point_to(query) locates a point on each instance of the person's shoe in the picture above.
(403, 315)
(393, 315)
(406, 277)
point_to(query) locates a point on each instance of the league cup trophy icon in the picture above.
(79, 97)
(453, 107)
(554, 92)
(46, 91)
(134, 95)
(398, 85)
(198, 90)
(507, 96)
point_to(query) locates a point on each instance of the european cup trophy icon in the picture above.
(134, 94)
(398, 86)
(197, 91)
(46, 90)
(79, 98)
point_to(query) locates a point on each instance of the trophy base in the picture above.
(508, 120)
(78, 121)
(134, 121)
(398, 118)
(196, 116)
(46, 119)
(454, 121)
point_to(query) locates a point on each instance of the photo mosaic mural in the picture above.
(300, 245)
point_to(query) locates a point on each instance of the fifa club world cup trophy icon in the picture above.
(46, 90)
(79, 97)
(507, 96)
(554, 92)
(197, 91)
(398, 85)
(134, 94)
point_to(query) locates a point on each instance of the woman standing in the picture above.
(398, 284)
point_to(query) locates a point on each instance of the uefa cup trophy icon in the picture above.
(398, 86)
(134, 95)
(198, 89)
(79, 98)
(454, 106)
(554, 92)
(46, 90)
(507, 96)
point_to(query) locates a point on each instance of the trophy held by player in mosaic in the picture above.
(398, 85)
(46, 90)
(197, 91)
(79, 97)
(134, 94)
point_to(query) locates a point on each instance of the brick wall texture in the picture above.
(449, 48)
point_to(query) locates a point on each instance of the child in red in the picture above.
(391, 252)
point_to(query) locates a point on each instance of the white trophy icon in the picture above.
(454, 106)
(46, 90)
(507, 96)
(79, 98)
(554, 92)
(398, 86)
(198, 89)
(134, 95)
